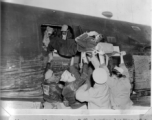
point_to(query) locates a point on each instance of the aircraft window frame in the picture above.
(57, 29)
(111, 39)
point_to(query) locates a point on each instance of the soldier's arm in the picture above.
(84, 74)
(122, 65)
(73, 69)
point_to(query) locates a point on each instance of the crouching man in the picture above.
(120, 86)
(52, 89)
(73, 80)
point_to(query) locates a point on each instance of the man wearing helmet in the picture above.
(98, 95)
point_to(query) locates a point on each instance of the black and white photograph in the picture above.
(75, 56)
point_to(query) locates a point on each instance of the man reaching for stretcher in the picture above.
(73, 80)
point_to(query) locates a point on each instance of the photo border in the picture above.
(75, 114)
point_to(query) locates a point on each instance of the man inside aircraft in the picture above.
(69, 46)
(65, 32)
(65, 46)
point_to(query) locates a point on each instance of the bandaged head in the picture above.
(67, 77)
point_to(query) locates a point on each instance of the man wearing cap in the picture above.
(120, 87)
(64, 31)
(69, 46)
(98, 95)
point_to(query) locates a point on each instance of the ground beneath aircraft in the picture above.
(36, 103)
